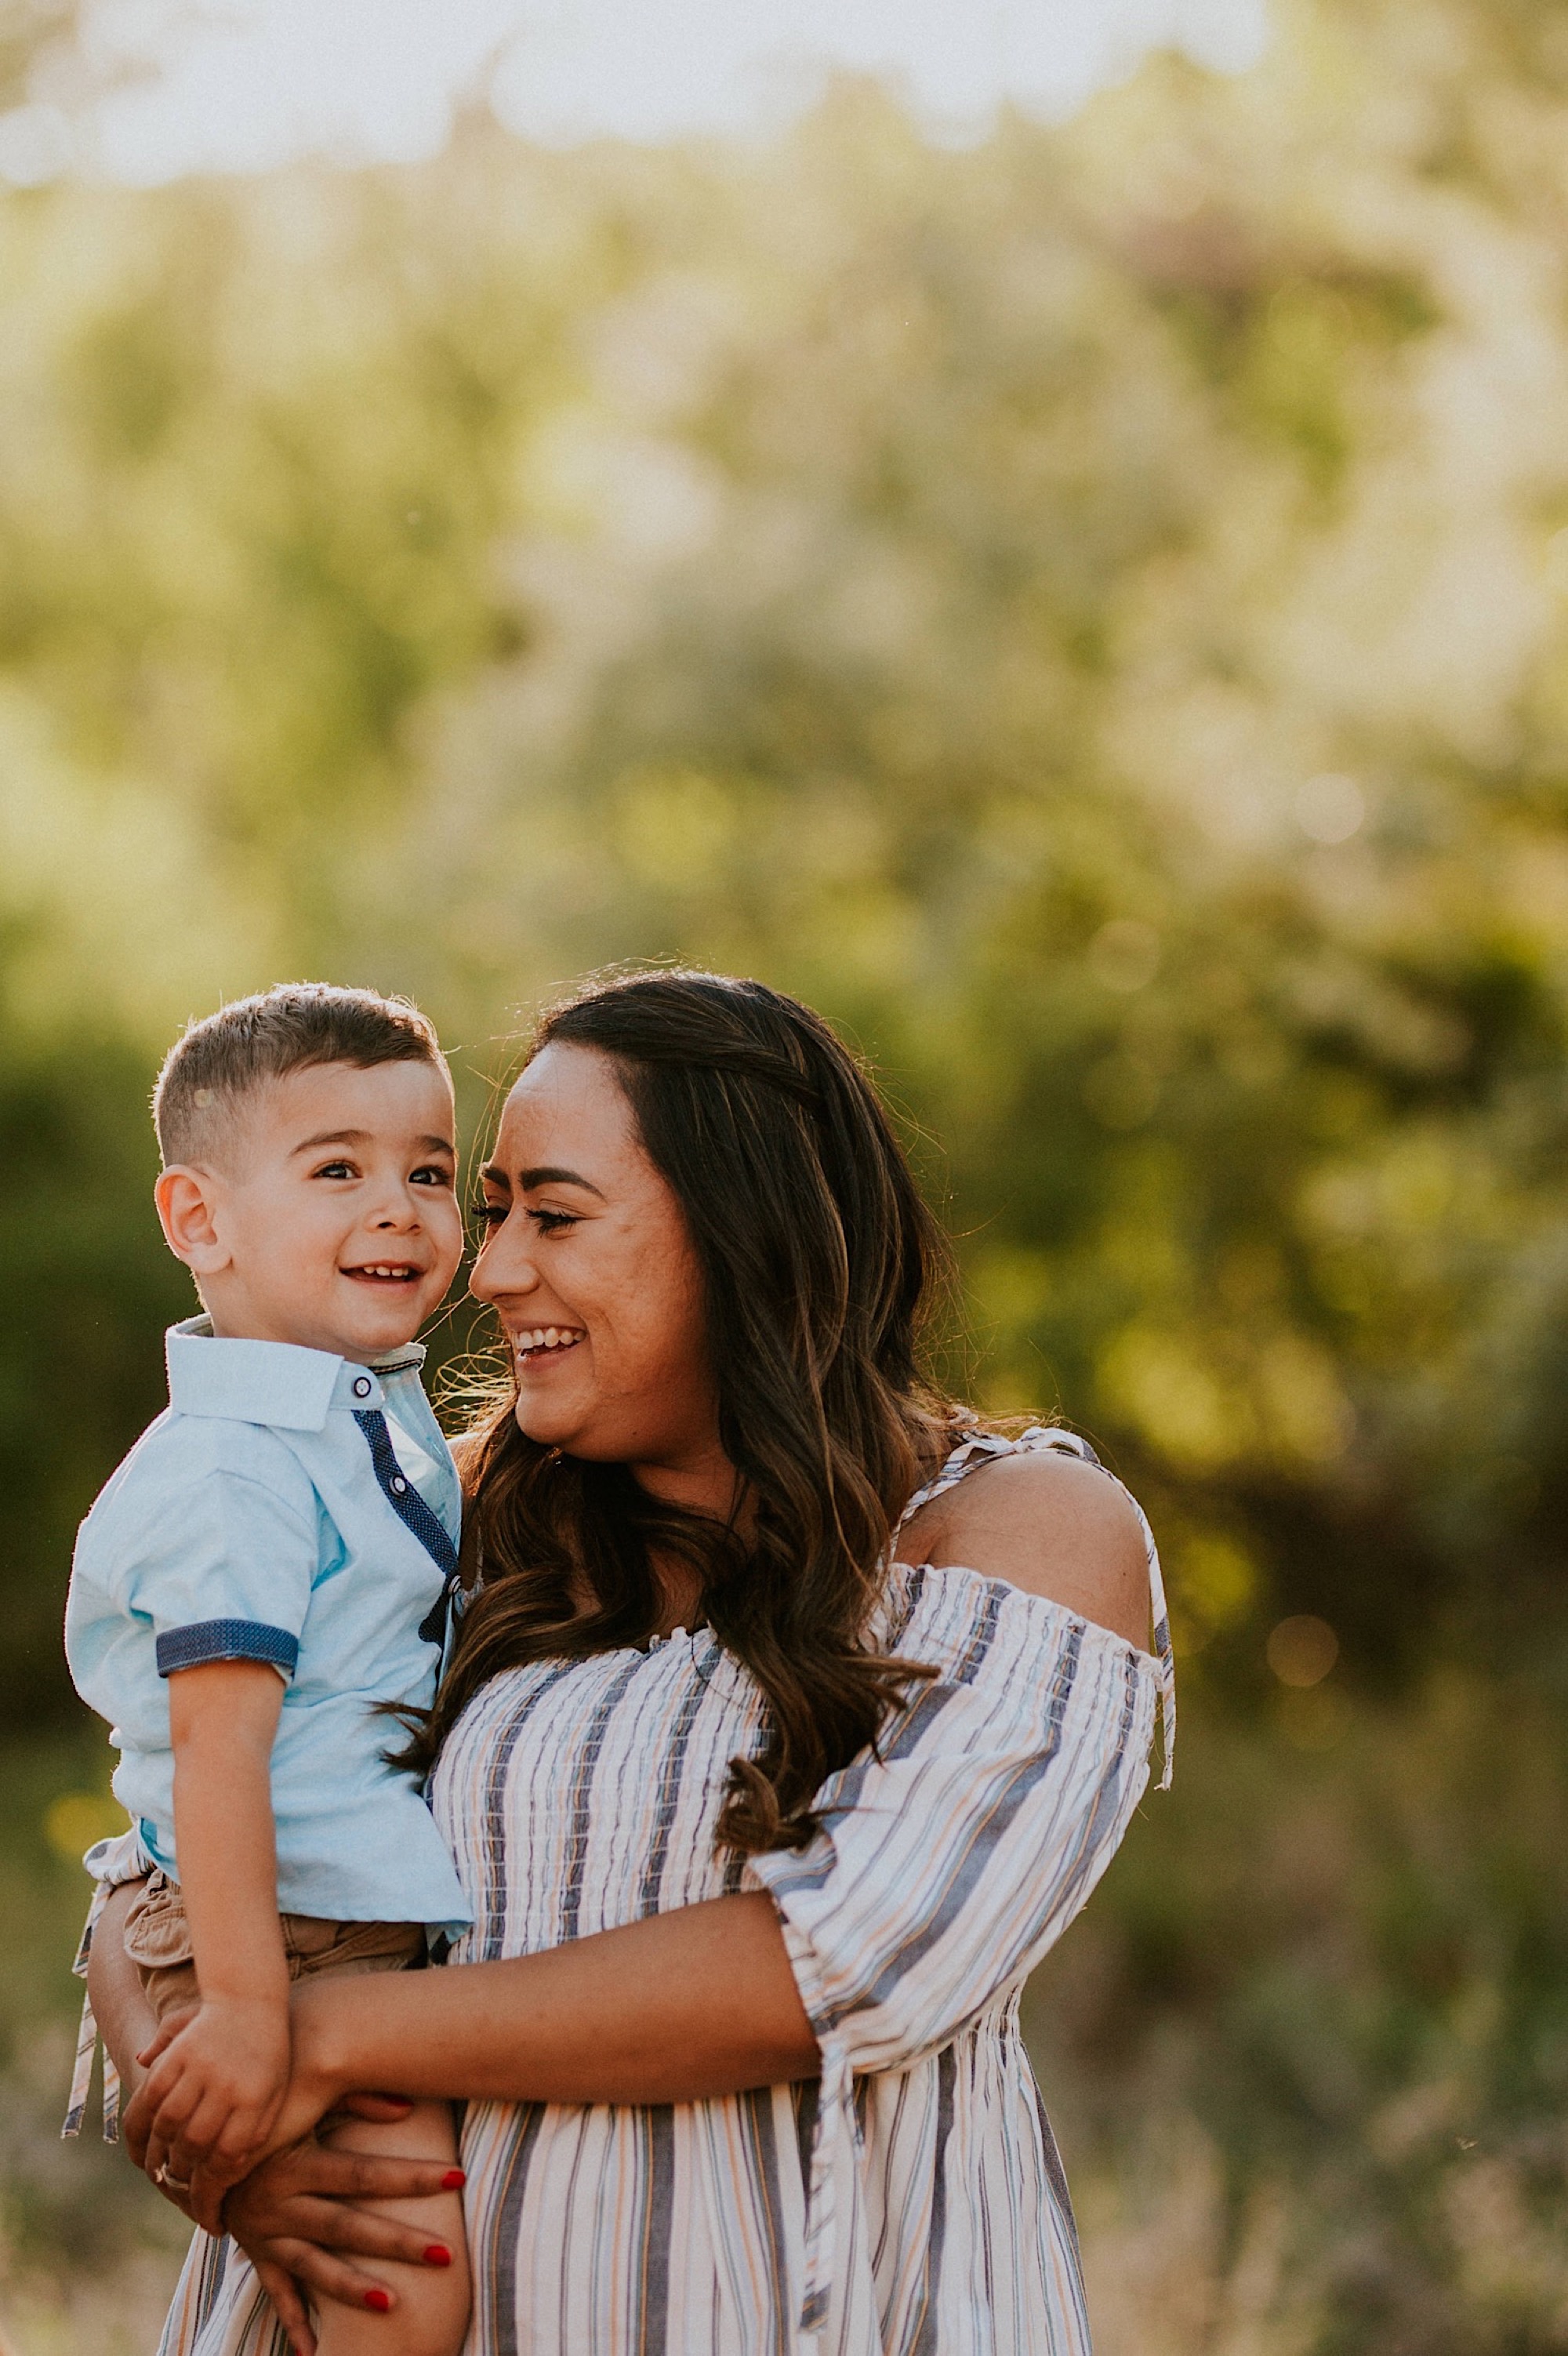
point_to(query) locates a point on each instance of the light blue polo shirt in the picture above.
(292, 1507)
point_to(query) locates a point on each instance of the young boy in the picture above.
(274, 1558)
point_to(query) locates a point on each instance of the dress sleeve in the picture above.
(952, 1857)
(226, 1573)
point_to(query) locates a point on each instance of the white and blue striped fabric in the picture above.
(910, 2203)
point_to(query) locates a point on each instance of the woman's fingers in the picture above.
(365, 2176)
(326, 2276)
(287, 2305)
(331, 2225)
(381, 2110)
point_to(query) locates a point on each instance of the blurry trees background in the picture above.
(1091, 614)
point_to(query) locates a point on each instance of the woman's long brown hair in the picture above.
(818, 1257)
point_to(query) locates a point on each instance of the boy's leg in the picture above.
(431, 2314)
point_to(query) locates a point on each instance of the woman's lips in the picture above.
(543, 1342)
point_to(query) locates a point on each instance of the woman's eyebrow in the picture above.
(548, 1176)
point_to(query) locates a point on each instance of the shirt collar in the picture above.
(272, 1382)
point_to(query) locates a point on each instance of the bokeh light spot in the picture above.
(1330, 808)
(1124, 955)
(1301, 1650)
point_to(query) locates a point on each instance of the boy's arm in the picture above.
(222, 2079)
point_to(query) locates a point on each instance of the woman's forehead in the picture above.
(568, 1094)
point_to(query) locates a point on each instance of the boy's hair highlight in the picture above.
(226, 1056)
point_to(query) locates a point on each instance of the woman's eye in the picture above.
(489, 1214)
(551, 1223)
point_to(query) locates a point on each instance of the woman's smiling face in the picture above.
(589, 1266)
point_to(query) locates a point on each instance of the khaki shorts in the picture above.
(157, 1939)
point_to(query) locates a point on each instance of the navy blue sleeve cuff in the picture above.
(226, 1640)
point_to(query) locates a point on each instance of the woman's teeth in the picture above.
(547, 1337)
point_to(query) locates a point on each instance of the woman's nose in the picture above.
(501, 1271)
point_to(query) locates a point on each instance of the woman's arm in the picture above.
(700, 2001)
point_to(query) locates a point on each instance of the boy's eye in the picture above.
(430, 1175)
(335, 1170)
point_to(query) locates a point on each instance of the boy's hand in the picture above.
(216, 2085)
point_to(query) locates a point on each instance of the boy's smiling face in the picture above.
(328, 1215)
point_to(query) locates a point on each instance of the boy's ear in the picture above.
(186, 1201)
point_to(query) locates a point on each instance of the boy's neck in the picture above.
(237, 1329)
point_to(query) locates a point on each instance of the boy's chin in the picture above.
(383, 1324)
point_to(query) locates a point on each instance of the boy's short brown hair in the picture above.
(221, 1060)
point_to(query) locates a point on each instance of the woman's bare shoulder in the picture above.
(1050, 1525)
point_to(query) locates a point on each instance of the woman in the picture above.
(762, 1826)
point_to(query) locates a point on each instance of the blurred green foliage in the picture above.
(1090, 613)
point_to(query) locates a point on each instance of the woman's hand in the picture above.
(292, 2217)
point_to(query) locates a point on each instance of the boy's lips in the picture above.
(385, 1271)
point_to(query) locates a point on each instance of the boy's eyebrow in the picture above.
(429, 1144)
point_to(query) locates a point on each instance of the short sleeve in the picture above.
(226, 1571)
(952, 1857)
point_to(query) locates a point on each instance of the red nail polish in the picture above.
(437, 2254)
(453, 2179)
(381, 2300)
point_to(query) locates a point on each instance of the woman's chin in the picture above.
(544, 1423)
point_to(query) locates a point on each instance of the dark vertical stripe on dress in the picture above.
(214, 2266)
(757, 2111)
(668, 1800)
(495, 1817)
(924, 2342)
(806, 2094)
(1052, 2159)
(581, 1789)
(734, 1873)
(494, 2267)
(650, 2321)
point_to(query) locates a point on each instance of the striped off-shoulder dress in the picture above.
(910, 2201)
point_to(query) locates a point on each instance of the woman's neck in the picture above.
(709, 1485)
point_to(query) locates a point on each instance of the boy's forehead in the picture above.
(402, 1099)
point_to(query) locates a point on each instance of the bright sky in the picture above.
(241, 85)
